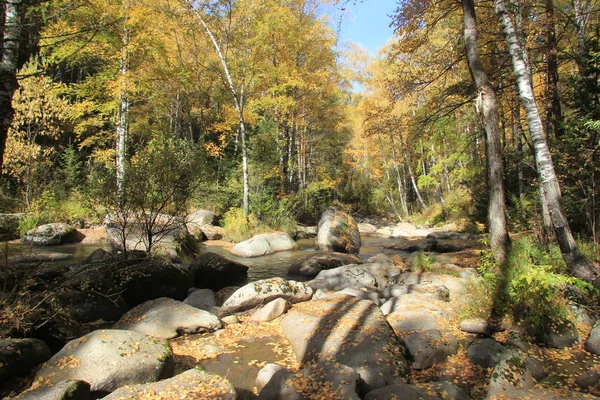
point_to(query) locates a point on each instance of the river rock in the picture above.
(486, 352)
(204, 299)
(19, 356)
(561, 336)
(592, 344)
(170, 236)
(510, 376)
(430, 347)
(365, 227)
(350, 331)
(589, 380)
(266, 374)
(406, 322)
(327, 380)
(191, 384)
(264, 244)
(64, 390)
(108, 359)
(213, 271)
(371, 276)
(477, 326)
(135, 280)
(51, 235)
(167, 318)
(272, 310)
(312, 264)
(197, 220)
(338, 232)
(423, 391)
(212, 232)
(265, 290)
(361, 293)
(412, 245)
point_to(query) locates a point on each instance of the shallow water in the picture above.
(263, 267)
(277, 264)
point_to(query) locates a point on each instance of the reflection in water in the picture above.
(277, 264)
(264, 267)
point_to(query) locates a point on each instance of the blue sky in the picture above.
(367, 23)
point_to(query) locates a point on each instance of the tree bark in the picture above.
(553, 108)
(577, 264)
(122, 127)
(488, 109)
(8, 69)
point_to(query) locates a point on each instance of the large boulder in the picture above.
(423, 391)
(191, 384)
(169, 234)
(65, 390)
(213, 271)
(51, 234)
(19, 356)
(310, 265)
(349, 331)
(108, 359)
(371, 276)
(272, 310)
(197, 220)
(338, 231)
(324, 380)
(135, 280)
(265, 290)
(429, 347)
(167, 318)
(592, 344)
(510, 376)
(264, 244)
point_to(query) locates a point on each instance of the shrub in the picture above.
(239, 227)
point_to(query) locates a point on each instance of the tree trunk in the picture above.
(238, 101)
(399, 184)
(412, 175)
(8, 69)
(578, 265)
(488, 109)
(122, 128)
(553, 109)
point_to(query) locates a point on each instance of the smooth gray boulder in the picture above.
(191, 384)
(265, 290)
(203, 299)
(406, 322)
(370, 276)
(215, 272)
(108, 360)
(197, 220)
(364, 227)
(486, 352)
(19, 356)
(361, 293)
(166, 318)
(338, 231)
(326, 380)
(264, 244)
(271, 310)
(266, 374)
(64, 390)
(430, 347)
(477, 326)
(312, 264)
(592, 343)
(51, 235)
(350, 331)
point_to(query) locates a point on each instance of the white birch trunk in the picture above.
(122, 127)
(577, 263)
(238, 101)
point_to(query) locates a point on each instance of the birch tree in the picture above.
(237, 94)
(8, 67)
(488, 109)
(577, 264)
